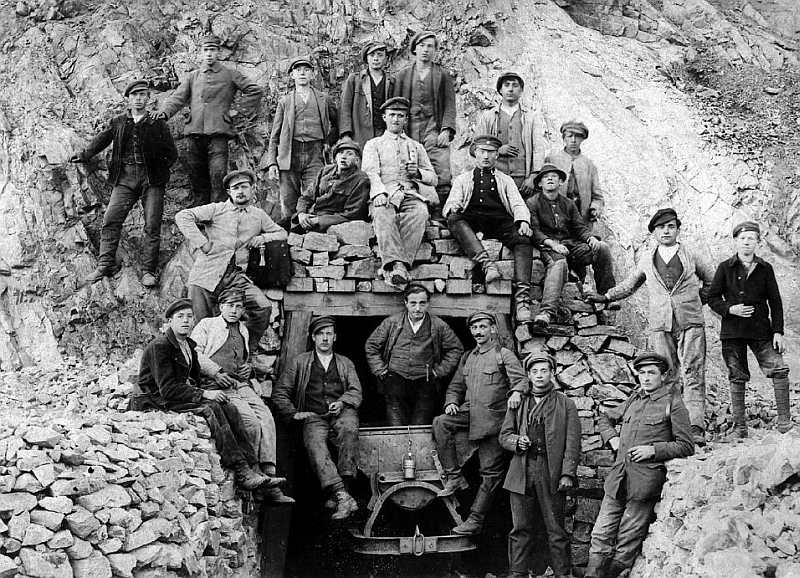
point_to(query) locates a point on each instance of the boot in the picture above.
(781, 387)
(522, 302)
(474, 523)
(453, 484)
(276, 496)
(737, 410)
(247, 478)
(615, 569)
(597, 566)
(346, 505)
(523, 259)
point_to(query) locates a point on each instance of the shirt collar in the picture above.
(488, 346)
(733, 261)
(215, 68)
(238, 209)
(657, 394)
(393, 136)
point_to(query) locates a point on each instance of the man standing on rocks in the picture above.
(410, 354)
(142, 154)
(223, 353)
(230, 230)
(487, 200)
(209, 92)
(168, 378)
(655, 428)
(321, 389)
(544, 434)
(677, 280)
(745, 293)
(432, 116)
(513, 125)
(476, 400)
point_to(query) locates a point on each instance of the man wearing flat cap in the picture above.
(363, 95)
(402, 183)
(143, 152)
(544, 436)
(223, 352)
(582, 184)
(655, 428)
(222, 249)
(678, 280)
(340, 192)
(746, 294)
(209, 92)
(566, 242)
(487, 200)
(513, 124)
(489, 378)
(305, 124)
(432, 114)
(320, 389)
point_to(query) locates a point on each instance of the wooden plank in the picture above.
(383, 304)
(274, 530)
(295, 339)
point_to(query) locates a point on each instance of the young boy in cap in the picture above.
(655, 428)
(487, 200)
(168, 381)
(142, 154)
(582, 184)
(363, 95)
(340, 192)
(565, 240)
(677, 281)
(304, 124)
(432, 116)
(745, 293)
(401, 187)
(476, 400)
(222, 249)
(209, 92)
(544, 435)
(513, 124)
(321, 390)
(222, 347)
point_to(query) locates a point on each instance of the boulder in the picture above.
(352, 233)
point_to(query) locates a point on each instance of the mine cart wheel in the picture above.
(421, 486)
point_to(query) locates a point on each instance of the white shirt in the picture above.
(667, 253)
(509, 110)
(325, 360)
(415, 326)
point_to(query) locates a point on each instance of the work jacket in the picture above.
(444, 95)
(336, 197)
(487, 124)
(158, 148)
(209, 335)
(589, 190)
(461, 194)
(356, 111)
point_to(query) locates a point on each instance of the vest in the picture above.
(422, 96)
(485, 199)
(324, 386)
(669, 272)
(307, 121)
(412, 354)
(378, 98)
(509, 131)
(232, 354)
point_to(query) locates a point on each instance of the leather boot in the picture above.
(474, 523)
(781, 387)
(737, 411)
(247, 478)
(523, 260)
(615, 569)
(345, 505)
(490, 271)
(597, 566)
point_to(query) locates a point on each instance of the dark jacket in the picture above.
(444, 102)
(562, 430)
(156, 141)
(289, 394)
(336, 200)
(165, 380)
(732, 285)
(447, 349)
(659, 419)
(356, 110)
(545, 226)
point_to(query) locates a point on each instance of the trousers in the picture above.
(206, 166)
(399, 230)
(228, 431)
(258, 422)
(686, 351)
(306, 161)
(625, 522)
(342, 432)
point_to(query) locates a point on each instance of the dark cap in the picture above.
(509, 75)
(396, 103)
(663, 216)
(177, 305)
(481, 316)
(230, 295)
(233, 174)
(420, 36)
(651, 358)
(344, 145)
(372, 47)
(320, 323)
(746, 226)
(136, 85)
(539, 356)
(211, 40)
(298, 61)
(575, 125)
(548, 168)
(486, 142)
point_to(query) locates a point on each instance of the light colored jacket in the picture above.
(461, 193)
(487, 124)
(585, 174)
(210, 334)
(382, 160)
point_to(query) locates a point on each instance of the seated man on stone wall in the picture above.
(565, 241)
(223, 353)
(487, 200)
(340, 193)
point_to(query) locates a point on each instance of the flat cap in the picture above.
(481, 316)
(230, 295)
(548, 168)
(663, 216)
(371, 47)
(136, 85)
(211, 40)
(233, 174)
(509, 76)
(651, 358)
(320, 323)
(575, 125)
(486, 142)
(540, 356)
(177, 305)
(344, 145)
(298, 61)
(396, 103)
(746, 226)
(420, 36)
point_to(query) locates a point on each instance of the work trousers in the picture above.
(579, 257)
(307, 160)
(399, 230)
(342, 432)
(258, 422)
(229, 432)
(623, 522)
(131, 186)
(409, 401)
(207, 165)
(423, 130)
(686, 351)
(734, 352)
